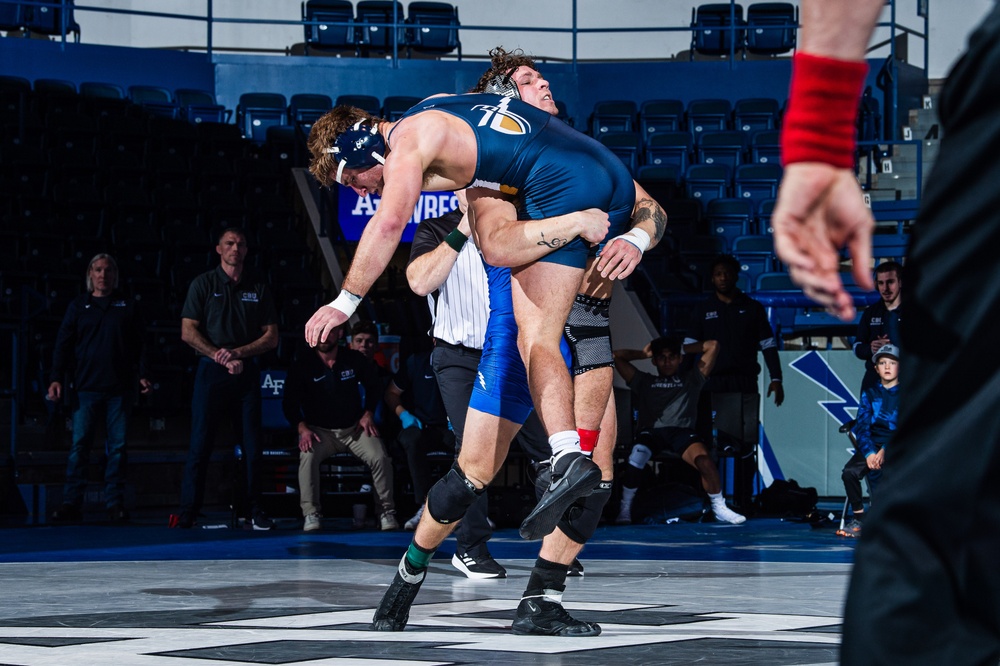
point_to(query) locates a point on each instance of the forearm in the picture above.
(374, 252)
(194, 338)
(517, 242)
(262, 345)
(629, 355)
(429, 271)
(838, 28)
(650, 217)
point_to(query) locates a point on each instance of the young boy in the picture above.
(668, 408)
(875, 424)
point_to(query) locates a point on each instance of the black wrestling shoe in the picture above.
(574, 475)
(575, 569)
(394, 609)
(537, 617)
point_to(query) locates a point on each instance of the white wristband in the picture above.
(346, 302)
(636, 237)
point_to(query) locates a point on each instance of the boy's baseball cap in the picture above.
(890, 350)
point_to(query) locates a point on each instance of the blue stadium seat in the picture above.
(755, 254)
(708, 114)
(367, 103)
(395, 106)
(721, 147)
(705, 182)
(198, 106)
(890, 246)
(562, 113)
(660, 115)
(625, 145)
(374, 35)
(669, 148)
(158, 101)
(729, 219)
(433, 28)
(258, 111)
(756, 113)
(663, 183)
(306, 108)
(12, 16)
(613, 116)
(765, 147)
(764, 210)
(699, 252)
(712, 29)
(324, 35)
(771, 28)
(39, 17)
(757, 182)
(55, 87)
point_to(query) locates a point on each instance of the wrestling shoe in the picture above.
(851, 529)
(574, 475)
(575, 569)
(394, 609)
(727, 515)
(479, 568)
(538, 617)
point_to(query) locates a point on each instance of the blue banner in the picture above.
(354, 211)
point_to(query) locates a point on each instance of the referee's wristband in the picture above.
(456, 239)
(819, 125)
(346, 302)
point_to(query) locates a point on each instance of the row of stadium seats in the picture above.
(336, 26)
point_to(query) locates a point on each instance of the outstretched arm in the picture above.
(820, 208)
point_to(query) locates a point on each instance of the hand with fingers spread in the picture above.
(323, 321)
(619, 258)
(820, 210)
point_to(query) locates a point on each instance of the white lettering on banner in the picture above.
(430, 204)
(276, 385)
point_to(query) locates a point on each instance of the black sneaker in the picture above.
(574, 475)
(67, 513)
(260, 521)
(575, 569)
(480, 567)
(394, 609)
(538, 617)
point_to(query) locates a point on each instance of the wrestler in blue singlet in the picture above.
(549, 166)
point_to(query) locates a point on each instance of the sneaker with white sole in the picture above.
(727, 515)
(851, 529)
(313, 522)
(412, 523)
(479, 568)
(389, 522)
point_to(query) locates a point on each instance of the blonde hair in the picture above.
(325, 131)
(111, 262)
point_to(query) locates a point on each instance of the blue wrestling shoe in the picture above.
(574, 475)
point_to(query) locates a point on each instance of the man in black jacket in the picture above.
(323, 401)
(880, 322)
(98, 352)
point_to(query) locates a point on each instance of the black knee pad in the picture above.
(451, 496)
(583, 516)
(588, 334)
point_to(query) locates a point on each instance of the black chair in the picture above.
(433, 28)
(756, 113)
(625, 145)
(669, 148)
(333, 27)
(44, 19)
(708, 114)
(367, 103)
(771, 28)
(717, 29)
(660, 115)
(721, 147)
(395, 106)
(729, 219)
(613, 116)
(198, 106)
(306, 108)
(258, 111)
(154, 99)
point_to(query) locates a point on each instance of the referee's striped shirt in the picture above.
(461, 305)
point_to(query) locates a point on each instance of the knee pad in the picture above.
(582, 517)
(639, 456)
(451, 496)
(588, 333)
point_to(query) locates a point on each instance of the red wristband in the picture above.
(819, 125)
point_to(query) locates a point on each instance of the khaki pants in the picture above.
(369, 450)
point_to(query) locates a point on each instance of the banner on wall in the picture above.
(355, 211)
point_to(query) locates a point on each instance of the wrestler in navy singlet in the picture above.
(549, 166)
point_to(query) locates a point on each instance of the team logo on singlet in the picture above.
(501, 119)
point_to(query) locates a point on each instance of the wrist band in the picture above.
(636, 237)
(819, 125)
(455, 239)
(346, 302)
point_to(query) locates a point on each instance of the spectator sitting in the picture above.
(323, 400)
(874, 427)
(668, 409)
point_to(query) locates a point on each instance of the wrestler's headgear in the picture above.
(503, 84)
(359, 147)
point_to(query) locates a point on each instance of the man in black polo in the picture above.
(740, 325)
(229, 319)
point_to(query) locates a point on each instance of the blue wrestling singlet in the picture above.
(551, 168)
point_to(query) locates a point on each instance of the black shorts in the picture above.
(674, 440)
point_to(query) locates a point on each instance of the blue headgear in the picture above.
(502, 84)
(358, 148)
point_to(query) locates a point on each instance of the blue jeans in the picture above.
(89, 408)
(218, 395)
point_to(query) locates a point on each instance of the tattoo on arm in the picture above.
(647, 209)
(554, 243)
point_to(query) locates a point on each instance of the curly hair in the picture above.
(325, 131)
(503, 63)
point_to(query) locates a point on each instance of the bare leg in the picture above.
(697, 456)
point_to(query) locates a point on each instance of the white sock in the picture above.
(628, 494)
(717, 498)
(564, 442)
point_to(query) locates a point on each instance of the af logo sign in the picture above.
(501, 119)
(273, 381)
